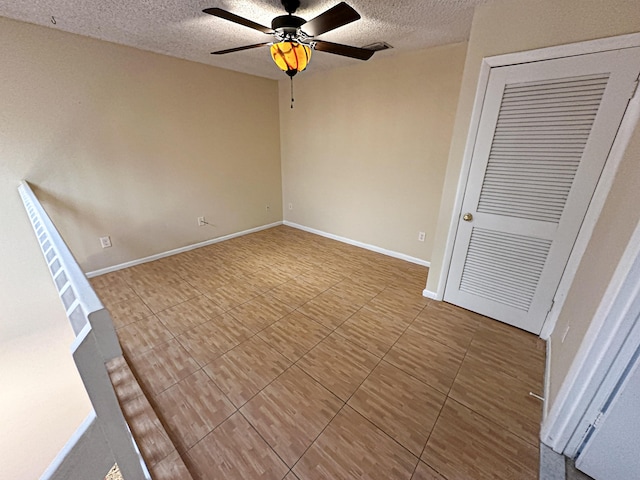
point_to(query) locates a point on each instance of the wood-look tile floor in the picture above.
(285, 355)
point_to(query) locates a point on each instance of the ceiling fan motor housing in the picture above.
(287, 24)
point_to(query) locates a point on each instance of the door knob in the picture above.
(467, 217)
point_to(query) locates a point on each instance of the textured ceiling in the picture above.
(179, 28)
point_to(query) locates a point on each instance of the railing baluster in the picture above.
(84, 457)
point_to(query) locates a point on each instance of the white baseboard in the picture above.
(547, 381)
(366, 246)
(169, 253)
(429, 294)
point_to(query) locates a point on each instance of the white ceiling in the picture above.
(179, 28)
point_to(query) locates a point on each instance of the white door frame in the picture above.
(605, 353)
(627, 127)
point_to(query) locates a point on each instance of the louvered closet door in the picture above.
(545, 132)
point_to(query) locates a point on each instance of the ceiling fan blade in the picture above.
(232, 17)
(333, 18)
(239, 49)
(344, 50)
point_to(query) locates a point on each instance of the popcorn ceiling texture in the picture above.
(180, 29)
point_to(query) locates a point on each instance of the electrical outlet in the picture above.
(105, 242)
(201, 222)
(268, 208)
(291, 206)
(421, 236)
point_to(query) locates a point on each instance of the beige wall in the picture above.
(507, 26)
(365, 149)
(118, 142)
(137, 145)
(611, 235)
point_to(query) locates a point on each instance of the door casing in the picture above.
(527, 224)
(606, 179)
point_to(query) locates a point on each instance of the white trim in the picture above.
(604, 185)
(602, 356)
(547, 381)
(86, 456)
(623, 137)
(175, 251)
(356, 243)
(630, 40)
(86, 354)
(474, 124)
(429, 294)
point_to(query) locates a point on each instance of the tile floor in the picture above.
(285, 355)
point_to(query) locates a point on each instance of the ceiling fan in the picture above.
(295, 38)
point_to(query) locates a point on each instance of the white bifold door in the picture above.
(545, 132)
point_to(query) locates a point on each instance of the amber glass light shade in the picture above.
(291, 57)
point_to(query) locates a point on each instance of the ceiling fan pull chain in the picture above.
(291, 78)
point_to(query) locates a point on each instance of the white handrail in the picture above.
(104, 437)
